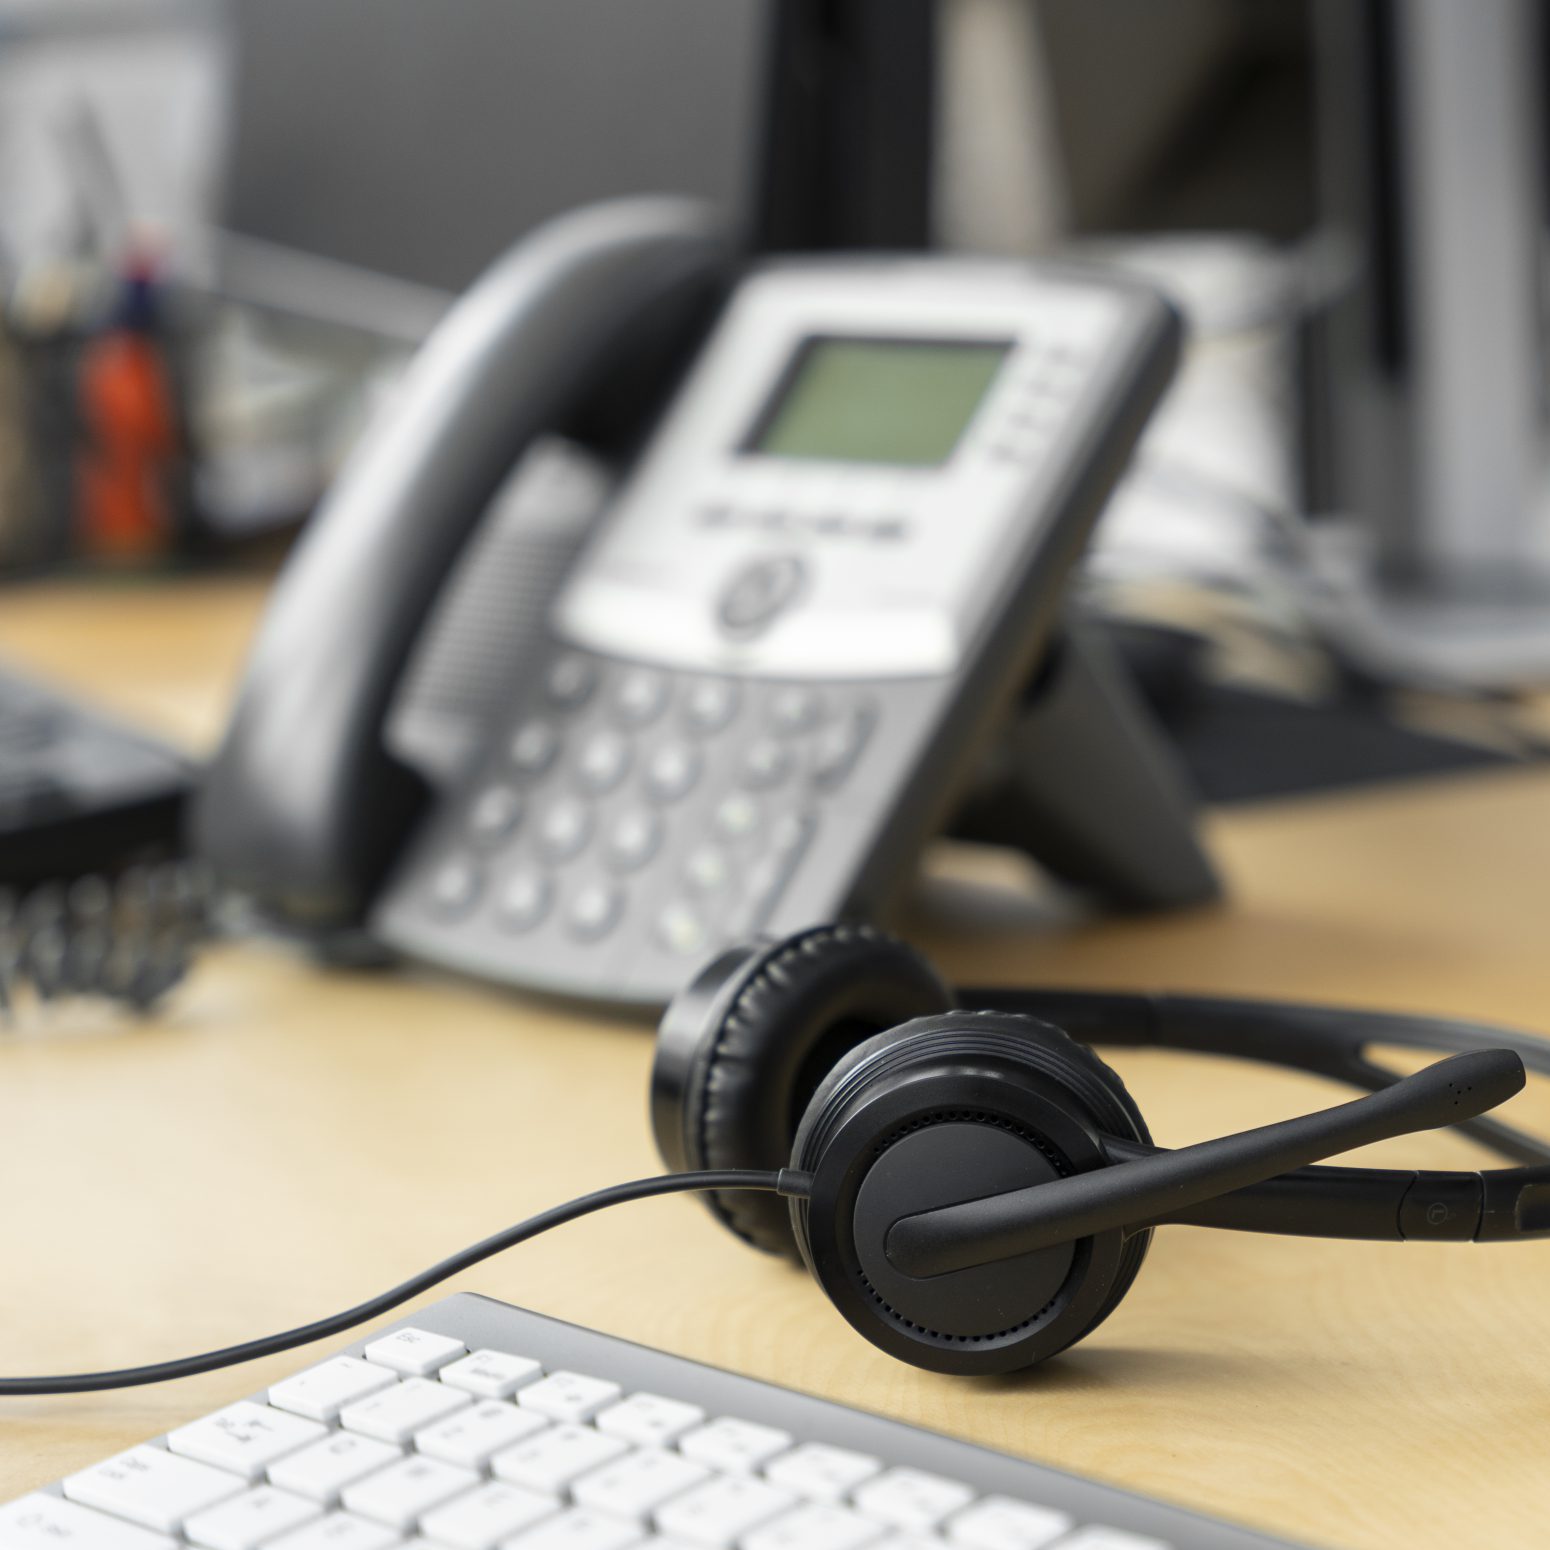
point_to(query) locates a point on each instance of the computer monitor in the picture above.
(419, 140)
(1428, 384)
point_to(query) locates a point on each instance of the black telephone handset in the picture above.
(817, 617)
(304, 809)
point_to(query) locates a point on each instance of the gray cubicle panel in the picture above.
(418, 138)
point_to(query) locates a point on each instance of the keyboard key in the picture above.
(1097, 1537)
(635, 1485)
(999, 1523)
(337, 1531)
(151, 1487)
(416, 1353)
(396, 1414)
(243, 1522)
(401, 1493)
(322, 1471)
(814, 1526)
(320, 1392)
(489, 1513)
(734, 1447)
(721, 1511)
(821, 1473)
(569, 1396)
(649, 1419)
(469, 1437)
(581, 1529)
(245, 1438)
(45, 1522)
(554, 1458)
(911, 1498)
(492, 1374)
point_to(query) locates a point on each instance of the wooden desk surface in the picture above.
(287, 1140)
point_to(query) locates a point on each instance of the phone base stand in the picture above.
(1084, 782)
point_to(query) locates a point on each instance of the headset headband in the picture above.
(1386, 1204)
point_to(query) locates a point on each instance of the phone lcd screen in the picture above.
(899, 401)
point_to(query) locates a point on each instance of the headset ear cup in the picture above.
(960, 1077)
(1097, 1085)
(739, 1052)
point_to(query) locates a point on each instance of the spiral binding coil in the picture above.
(127, 938)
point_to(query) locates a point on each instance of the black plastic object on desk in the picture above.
(94, 898)
(78, 791)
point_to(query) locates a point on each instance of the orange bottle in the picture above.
(129, 465)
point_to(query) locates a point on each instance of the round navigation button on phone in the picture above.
(757, 591)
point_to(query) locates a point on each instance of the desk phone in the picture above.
(824, 562)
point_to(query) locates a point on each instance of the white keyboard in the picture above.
(477, 1426)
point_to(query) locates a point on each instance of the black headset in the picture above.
(980, 1188)
(971, 1186)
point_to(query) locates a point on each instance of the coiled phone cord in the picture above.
(127, 939)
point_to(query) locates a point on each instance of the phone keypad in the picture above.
(524, 899)
(570, 680)
(628, 806)
(494, 813)
(709, 704)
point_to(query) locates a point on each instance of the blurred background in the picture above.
(306, 186)
(226, 227)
